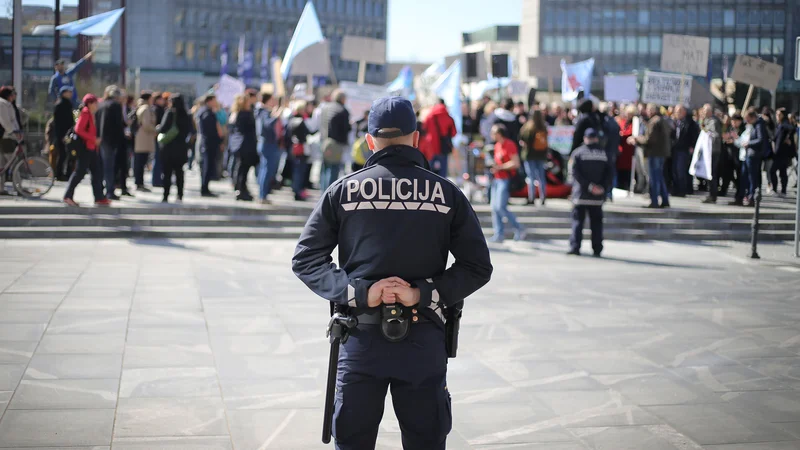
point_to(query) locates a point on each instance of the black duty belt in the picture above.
(394, 320)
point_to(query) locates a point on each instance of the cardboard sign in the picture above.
(313, 60)
(227, 90)
(359, 97)
(665, 89)
(685, 54)
(559, 138)
(546, 66)
(356, 48)
(701, 158)
(756, 71)
(621, 88)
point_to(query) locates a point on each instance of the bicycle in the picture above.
(32, 176)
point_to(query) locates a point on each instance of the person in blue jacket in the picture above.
(64, 77)
(758, 147)
(394, 223)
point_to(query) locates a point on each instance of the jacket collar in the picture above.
(400, 155)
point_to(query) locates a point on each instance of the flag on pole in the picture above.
(434, 70)
(240, 57)
(307, 32)
(404, 83)
(265, 61)
(97, 25)
(223, 58)
(725, 68)
(448, 88)
(575, 78)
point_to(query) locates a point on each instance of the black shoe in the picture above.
(244, 198)
(574, 253)
(127, 194)
(164, 200)
(664, 206)
(209, 194)
(651, 206)
(597, 255)
(679, 195)
(113, 197)
(710, 201)
(736, 203)
(143, 189)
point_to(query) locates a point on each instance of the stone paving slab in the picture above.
(214, 345)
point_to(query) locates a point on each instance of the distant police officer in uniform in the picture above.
(394, 223)
(592, 177)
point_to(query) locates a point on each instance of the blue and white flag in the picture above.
(240, 57)
(575, 78)
(403, 84)
(97, 25)
(448, 88)
(223, 58)
(247, 64)
(307, 32)
(265, 61)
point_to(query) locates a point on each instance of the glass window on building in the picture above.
(583, 18)
(680, 19)
(716, 46)
(248, 25)
(691, 16)
(331, 5)
(608, 44)
(619, 17)
(643, 44)
(203, 17)
(741, 16)
(752, 46)
(780, 18)
(597, 45)
(202, 52)
(766, 46)
(340, 6)
(741, 46)
(755, 17)
(777, 47)
(549, 19)
(729, 18)
(767, 18)
(561, 44)
(633, 17)
(583, 44)
(548, 44)
(666, 18)
(572, 18)
(716, 17)
(190, 50)
(351, 7)
(619, 45)
(644, 17)
(572, 45)
(180, 17)
(704, 17)
(214, 52)
(728, 46)
(655, 44)
(561, 18)
(179, 48)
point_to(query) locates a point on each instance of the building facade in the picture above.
(490, 51)
(626, 35)
(188, 35)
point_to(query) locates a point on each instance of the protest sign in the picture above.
(701, 159)
(756, 71)
(546, 66)
(356, 48)
(313, 60)
(665, 89)
(359, 97)
(621, 88)
(559, 138)
(227, 89)
(685, 54)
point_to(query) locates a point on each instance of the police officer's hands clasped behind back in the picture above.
(394, 222)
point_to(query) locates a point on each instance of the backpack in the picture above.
(271, 133)
(361, 151)
(133, 118)
(540, 142)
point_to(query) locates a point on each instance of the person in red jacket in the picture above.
(626, 151)
(440, 129)
(88, 156)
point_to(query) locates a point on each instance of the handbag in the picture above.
(169, 136)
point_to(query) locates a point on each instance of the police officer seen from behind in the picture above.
(592, 177)
(394, 223)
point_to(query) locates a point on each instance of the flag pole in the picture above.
(362, 72)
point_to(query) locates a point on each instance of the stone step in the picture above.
(559, 233)
(280, 220)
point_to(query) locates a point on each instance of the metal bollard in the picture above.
(754, 233)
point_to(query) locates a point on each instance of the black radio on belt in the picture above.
(395, 322)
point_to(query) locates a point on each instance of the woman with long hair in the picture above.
(506, 163)
(296, 136)
(174, 150)
(242, 144)
(533, 141)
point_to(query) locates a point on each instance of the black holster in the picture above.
(452, 325)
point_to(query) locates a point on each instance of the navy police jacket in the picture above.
(393, 218)
(590, 166)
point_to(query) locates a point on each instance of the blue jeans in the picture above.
(267, 169)
(680, 172)
(536, 171)
(329, 174)
(439, 165)
(753, 164)
(501, 192)
(299, 174)
(109, 155)
(658, 186)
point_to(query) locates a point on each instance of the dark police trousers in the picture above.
(579, 213)
(415, 369)
(209, 168)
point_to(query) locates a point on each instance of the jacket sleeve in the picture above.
(780, 136)
(577, 138)
(313, 265)
(8, 119)
(147, 121)
(577, 171)
(166, 122)
(757, 136)
(472, 268)
(82, 128)
(75, 67)
(52, 88)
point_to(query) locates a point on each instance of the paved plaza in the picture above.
(214, 345)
